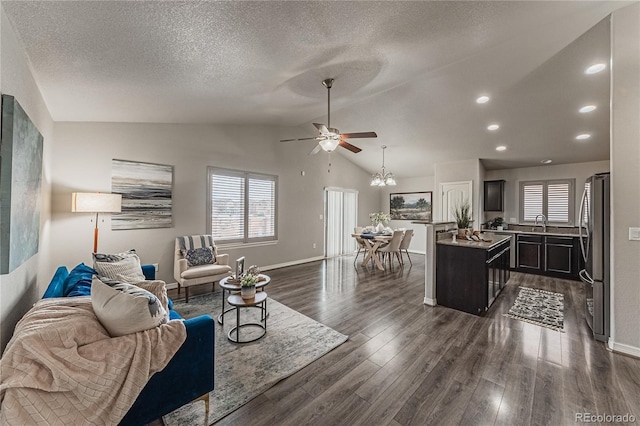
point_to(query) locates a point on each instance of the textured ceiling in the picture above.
(408, 70)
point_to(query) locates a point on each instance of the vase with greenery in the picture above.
(379, 220)
(248, 286)
(462, 214)
(498, 223)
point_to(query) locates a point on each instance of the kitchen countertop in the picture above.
(495, 240)
(553, 234)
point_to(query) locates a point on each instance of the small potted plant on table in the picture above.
(248, 286)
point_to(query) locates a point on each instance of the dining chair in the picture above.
(393, 247)
(404, 245)
(357, 231)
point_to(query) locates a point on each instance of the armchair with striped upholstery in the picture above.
(203, 270)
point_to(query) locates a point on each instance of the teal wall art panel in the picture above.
(20, 183)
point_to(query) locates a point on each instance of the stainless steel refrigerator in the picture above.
(594, 244)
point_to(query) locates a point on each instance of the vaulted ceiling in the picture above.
(410, 71)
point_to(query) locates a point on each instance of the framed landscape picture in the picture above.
(410, 205)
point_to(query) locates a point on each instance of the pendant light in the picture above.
(382, 178)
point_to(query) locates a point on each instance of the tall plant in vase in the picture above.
(462, 214)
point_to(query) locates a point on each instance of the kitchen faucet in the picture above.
(544, 222)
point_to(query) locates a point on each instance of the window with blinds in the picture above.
(242, 206)
(551, 198)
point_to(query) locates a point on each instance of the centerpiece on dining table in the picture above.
(379, 221)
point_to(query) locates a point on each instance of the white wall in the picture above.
(625, 179)
(82, 162)
(419, 184)
(578, 171)
(20, 288)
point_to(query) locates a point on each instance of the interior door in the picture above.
(451, 194)
(341, 213)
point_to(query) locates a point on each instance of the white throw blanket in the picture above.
(62, 368)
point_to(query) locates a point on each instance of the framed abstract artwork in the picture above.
(147, 191)
(20, 183)
(410, 205)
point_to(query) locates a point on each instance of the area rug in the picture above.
(539, 307)
(244, 371)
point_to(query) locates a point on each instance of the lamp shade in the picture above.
(96, 202)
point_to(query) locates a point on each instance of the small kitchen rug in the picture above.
(539, 307)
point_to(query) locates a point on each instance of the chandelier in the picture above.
(382, 178)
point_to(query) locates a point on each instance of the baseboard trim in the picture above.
(624, 349)
(430, 302)
(170, 286)
(292, 263)
(418, 252)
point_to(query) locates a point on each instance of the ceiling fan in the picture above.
(329, 138)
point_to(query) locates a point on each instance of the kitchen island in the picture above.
(471, 274)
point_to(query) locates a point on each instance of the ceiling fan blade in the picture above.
(359, 135)
(303, 139)
(321, 128)
(348, 146)
(316, 150)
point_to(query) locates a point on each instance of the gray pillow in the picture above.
(125, 263)
(200, 256)
(124, 308)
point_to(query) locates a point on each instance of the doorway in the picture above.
(341, 215)
(451, 194)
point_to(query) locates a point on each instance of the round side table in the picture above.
(234, 287)
(259, 301)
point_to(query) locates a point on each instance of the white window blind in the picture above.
(533, 201)
(262, 207)
(553, 199)
(242, 206)
(558, 202)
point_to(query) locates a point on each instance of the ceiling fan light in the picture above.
(329, 144)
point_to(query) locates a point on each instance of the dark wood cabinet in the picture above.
(554, 256)
(562, 254)
(493, 195)
(530, 252)
(468, 278)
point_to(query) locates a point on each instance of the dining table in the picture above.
(372, 243)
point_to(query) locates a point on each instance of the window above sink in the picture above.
(552, 198)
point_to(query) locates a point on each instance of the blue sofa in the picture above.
(189, 374)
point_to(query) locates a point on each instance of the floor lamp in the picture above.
(96, 202)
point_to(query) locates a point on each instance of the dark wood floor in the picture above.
(406, 363)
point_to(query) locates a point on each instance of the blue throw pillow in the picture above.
(78, 283)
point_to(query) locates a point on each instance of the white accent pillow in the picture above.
(124, 308)
(128, 266)
(156, 287)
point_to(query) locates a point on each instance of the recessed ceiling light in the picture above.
(595, 68)
(493, 127)
(587, 108)
(482, 99)
(546, 161)
(583, 136)
(501, 148)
